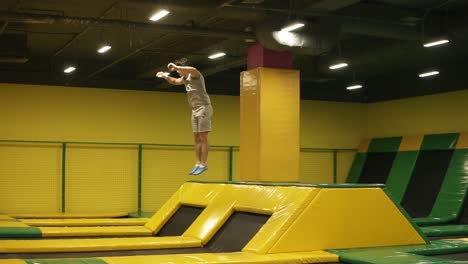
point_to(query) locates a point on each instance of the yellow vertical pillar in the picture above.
(269, 137)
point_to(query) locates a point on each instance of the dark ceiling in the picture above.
(381, 40)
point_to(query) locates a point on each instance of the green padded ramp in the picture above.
(20, 232)
(384, 144)
(450, 200)
(448, 230)
(356, 167)
(426, 254)
(400, 174)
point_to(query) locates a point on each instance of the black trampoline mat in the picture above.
(180, 221)
(377, 167)
(426, 181)
(238, 230)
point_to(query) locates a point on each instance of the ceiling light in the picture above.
(69, 69)
(338, 66)
(354, 86)
(436, 43)
(104, 49)
(293, 27)
(217, 55)
(160, 14)
(427, 74)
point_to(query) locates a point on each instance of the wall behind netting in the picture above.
(106, 178)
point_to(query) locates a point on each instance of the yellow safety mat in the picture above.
(237, 257)
(72, 215)
(101, 244)
(95, 231)
(87, 222)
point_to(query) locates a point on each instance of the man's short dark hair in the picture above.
(182, 62)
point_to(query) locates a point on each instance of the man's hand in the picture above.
(171, 66)
(162, 75)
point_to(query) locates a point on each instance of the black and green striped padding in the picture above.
(374, 165)
(427, 254)
(452, 186)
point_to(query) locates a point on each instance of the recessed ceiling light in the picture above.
(354, 86)
(69, 69)
(160, 14)
(436, 43)
(338, 66)
(427, 74)
(104, 49)
(217, 55)
(293, 27)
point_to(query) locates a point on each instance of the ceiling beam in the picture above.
(3, 27)
(125, 57)
(85, 30)
(91, 21)
(192, 58)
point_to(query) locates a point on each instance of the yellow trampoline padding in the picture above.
(194, 194)
(5, 217)
(237, 257)
(95, 231)
(12, 261)
(91, 245)
(87, 222)
(12, 224)
(285, 203)
(72, 215)
(348, 218)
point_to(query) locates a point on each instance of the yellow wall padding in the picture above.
(30, 178)
(195, 194)
(316, 167)
(348, 218)
(236, 257)
(95, 231)
(411, 143)
(12, 224)
(344, 160)
(71, 215)
(5, 217)
(462, 141)
(164, 170)
(364, 145)
(101, 178)
(87, 222)
(101, 244)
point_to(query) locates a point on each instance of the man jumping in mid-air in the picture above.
(202, 111)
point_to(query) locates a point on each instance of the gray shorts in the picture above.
(201, 119)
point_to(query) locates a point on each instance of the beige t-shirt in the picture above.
(196, 92)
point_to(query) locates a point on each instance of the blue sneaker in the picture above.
(200, 170)
(194, 169)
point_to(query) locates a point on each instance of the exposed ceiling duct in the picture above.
(89, 21)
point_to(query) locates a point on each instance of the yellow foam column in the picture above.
(269, 137)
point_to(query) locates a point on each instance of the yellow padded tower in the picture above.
(269, 119)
